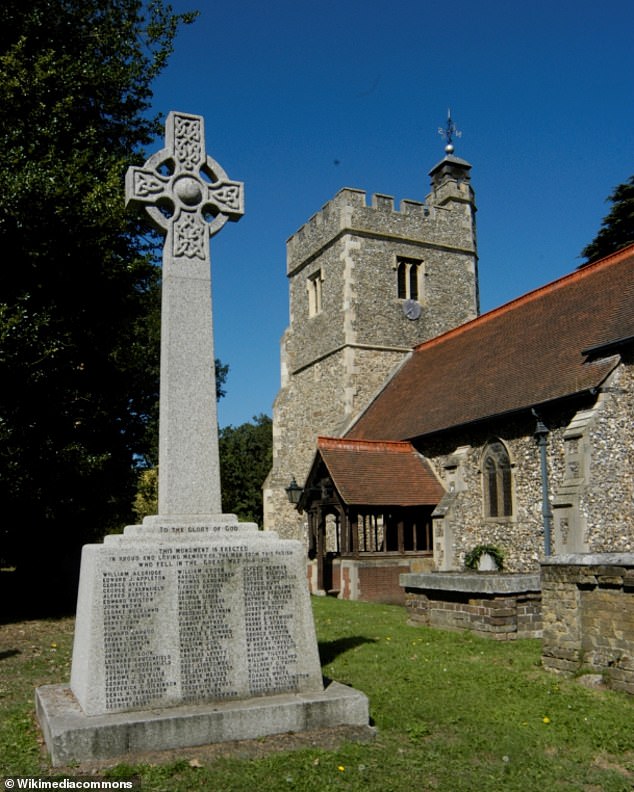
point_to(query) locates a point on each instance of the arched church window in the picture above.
(497, 481)
(408, 275)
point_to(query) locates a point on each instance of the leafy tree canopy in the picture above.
(78, 285)
(617, 228)
(245, 459)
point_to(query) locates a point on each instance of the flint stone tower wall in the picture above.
(348, 330)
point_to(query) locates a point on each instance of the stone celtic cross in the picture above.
(188, 198)
(185, 192)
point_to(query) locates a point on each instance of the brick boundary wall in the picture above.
(379, 583)
(588, 615)
(503, 607)
(367, 580)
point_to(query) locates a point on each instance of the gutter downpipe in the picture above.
(541, 435)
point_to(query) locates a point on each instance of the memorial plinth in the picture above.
(206, 612)
(191, 628)
(188, 634)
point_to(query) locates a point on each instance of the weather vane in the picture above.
(449, 132)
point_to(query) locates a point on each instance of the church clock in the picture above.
(412, 309)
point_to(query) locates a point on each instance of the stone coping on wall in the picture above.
(493, 583)
(590, 559)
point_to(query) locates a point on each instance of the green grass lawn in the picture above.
(453, 712)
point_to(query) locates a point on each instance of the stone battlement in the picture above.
(352, 197)
(354, 211)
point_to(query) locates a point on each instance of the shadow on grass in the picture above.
(32, 594)
(330, 650)
(9, 653)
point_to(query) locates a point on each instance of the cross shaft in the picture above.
(188, 198)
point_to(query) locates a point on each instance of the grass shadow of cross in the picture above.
(330, 650)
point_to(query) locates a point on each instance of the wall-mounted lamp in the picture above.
(294, 492)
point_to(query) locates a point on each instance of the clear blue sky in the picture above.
(303, 98)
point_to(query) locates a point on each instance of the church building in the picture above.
(412, 433)
(526, 415)
(367, 283)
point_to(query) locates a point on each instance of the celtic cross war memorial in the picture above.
(191, 628)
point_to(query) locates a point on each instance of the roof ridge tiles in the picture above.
(383, 446)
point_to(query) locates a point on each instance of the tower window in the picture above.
(497, 483)
(408, 275)
(314, 293)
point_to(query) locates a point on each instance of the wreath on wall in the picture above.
(472, 558)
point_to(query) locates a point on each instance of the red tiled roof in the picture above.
(379, 473)
(527, 352)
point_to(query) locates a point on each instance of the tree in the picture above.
(222, 372)
(617, 228)
(79, 296)
(245, 459)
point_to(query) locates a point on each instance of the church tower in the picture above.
(367, 283)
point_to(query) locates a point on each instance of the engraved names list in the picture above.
(232, 633)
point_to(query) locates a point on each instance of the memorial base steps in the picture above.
(75, 738)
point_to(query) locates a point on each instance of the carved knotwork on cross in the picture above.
(186, 194)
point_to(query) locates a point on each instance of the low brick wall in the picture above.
(588, 614)
(370, 579)
(493, 605)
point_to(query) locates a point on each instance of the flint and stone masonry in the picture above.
(589, 455)
(349, 328)
(191, 628)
